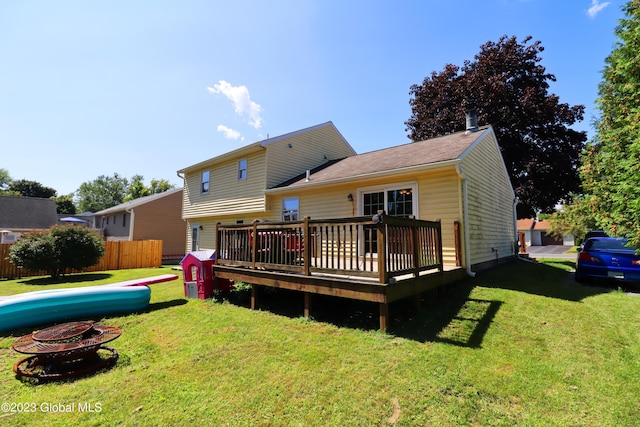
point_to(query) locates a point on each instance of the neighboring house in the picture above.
(525, 227)
(536, 233)
(314, 172)
(155, 217)
(19, 215)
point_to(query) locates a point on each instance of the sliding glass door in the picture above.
(393, 201)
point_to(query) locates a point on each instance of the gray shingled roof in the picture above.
(137, 202)
(27, 213)
(431, 151)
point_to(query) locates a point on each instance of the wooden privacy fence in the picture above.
(119, 255)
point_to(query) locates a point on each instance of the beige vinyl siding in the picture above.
(227, 194)
(161, 220)
(490, 201)
(440, 195)
(308, 150)
(438, 198)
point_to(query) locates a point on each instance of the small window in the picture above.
(204, 183)
(124, 220)
(242, 169)
(290, 209)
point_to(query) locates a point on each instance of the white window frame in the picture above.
(413, 185)
(286, 211)
(242, 169)
(195, 237)
(390, 187)
(205, 185)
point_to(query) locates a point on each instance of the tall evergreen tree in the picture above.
(611, 163)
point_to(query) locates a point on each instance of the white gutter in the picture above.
(130, 211)
(465, 219)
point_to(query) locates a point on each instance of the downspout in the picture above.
(465, 219)
(131, 229)
(187, 241)
(515, 228)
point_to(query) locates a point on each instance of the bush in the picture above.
(60, 249)
(35, 252)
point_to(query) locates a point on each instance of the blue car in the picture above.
(607, 258)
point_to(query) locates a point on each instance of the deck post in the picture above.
(306, 248)
(439, 244)
(417, 255)
(307, 304)
(254, 296)
(456, 235)
(417, 302)
(254, 246)
(218, 234)
(382, 249)
(384, 316)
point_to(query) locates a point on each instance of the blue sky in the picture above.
(91, 88)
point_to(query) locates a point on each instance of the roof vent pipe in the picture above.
(472, 120)
(308, 175)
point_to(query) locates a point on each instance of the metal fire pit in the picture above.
(66, 350)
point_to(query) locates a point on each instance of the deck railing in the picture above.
(380, 246)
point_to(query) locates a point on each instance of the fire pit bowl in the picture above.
(66, 350)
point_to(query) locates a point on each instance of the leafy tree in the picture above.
(76, 247)
(136, 188)
(160, 186)
(28, 188)
(102, 193)
(58, 250)
(610, 170)
(575, 218)
(65, 205)
(5, 180)
(508, 87)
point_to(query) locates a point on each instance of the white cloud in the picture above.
(242, 103)
(596, 7)
(229, 133)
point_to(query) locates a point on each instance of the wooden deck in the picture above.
(380, 259)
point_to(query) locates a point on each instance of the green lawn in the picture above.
(519, 345)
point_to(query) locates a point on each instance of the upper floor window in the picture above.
(204, 182)
(242, 169)
(290, 209)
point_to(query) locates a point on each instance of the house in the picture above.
(19, 215)
(304, 212)
(536, 233)
(233, 187)
(458, 178)
(155, 217)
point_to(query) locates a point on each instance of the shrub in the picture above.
(60, 249)
(35, 252)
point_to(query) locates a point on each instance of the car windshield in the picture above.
(608, 244)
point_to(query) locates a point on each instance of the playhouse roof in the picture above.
(201, 255)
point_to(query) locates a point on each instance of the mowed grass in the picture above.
(518, 345)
